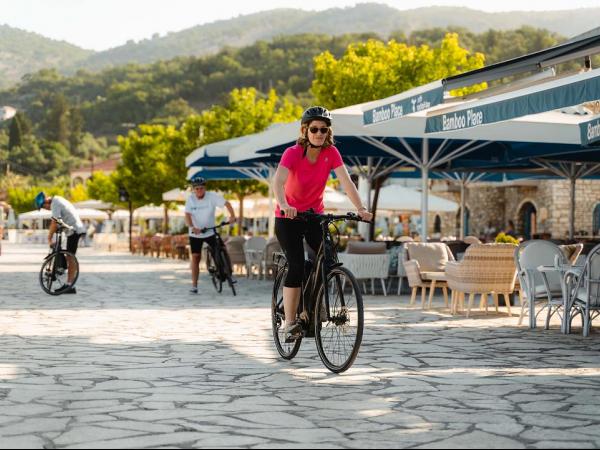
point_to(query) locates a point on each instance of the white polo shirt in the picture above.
(202, 211)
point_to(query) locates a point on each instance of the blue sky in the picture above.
(102, 24)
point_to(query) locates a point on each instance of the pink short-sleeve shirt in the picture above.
(306, 182)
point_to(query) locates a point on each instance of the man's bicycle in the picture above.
(55, 268)
(218, 262)
(331, 306)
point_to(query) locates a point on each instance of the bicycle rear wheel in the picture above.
(339, 337)
(290, 349)
(54, 273)
(213, 271)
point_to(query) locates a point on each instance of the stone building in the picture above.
(84, 173)
(539, 207)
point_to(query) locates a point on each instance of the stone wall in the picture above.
(498, 205)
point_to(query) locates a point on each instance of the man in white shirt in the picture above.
(200, 213)
(64, 210)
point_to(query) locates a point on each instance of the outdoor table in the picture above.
(561, 269)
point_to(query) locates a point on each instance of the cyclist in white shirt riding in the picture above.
(200, 213)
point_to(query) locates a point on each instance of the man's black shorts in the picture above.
(73, 243)
(196, 243)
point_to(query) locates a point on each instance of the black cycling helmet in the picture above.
(316, 113)
(198, 181)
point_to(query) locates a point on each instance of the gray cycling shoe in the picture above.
(292, 332)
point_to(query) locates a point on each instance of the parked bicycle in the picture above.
(55, 268)
(331, 306)
(219, 263)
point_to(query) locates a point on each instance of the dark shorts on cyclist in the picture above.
(73, 242)
(196, 243)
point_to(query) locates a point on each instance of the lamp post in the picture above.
(124, 197)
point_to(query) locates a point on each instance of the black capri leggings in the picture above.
(290, 233)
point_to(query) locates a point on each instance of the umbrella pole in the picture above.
(424, 190)
(271, 206)
(572, 209)
(462, 210)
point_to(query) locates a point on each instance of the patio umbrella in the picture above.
(548, 96)
(94, 204)
(393, 197)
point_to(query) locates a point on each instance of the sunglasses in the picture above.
(323, 130)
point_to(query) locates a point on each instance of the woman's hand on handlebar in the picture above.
(289, 212)
(197, 230)
(365, 215)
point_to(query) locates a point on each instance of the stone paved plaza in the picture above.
(133, 360)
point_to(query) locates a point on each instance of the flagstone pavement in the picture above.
(133, 360)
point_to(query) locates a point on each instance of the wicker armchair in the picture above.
(235, 249)
(485, 269)
(424, 264)
(269, 265)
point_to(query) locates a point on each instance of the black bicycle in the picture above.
(55, 268)
(218, 262)
(331, 306)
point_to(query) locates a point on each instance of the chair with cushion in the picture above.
(584, 292)
(471, 240)
(485, 269)
(537, 288)
(425, 264)
(367, 260)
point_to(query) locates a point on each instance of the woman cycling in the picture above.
(299, 185)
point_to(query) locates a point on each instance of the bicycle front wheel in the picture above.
(227, 270)
(55, 272)
(339, 334)
(213, 271)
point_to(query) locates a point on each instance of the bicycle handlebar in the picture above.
(222, 224)
(331, 217)
(62, 224)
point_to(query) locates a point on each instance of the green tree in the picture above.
(75, 132)
(146, 168)
(103, 187)
(15, 133)
(57, 121)
(374, 70)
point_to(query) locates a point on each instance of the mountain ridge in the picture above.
(24, 52)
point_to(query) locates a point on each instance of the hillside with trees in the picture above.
(22, 53)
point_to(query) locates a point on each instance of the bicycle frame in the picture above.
(326, 260)
(220, 244)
